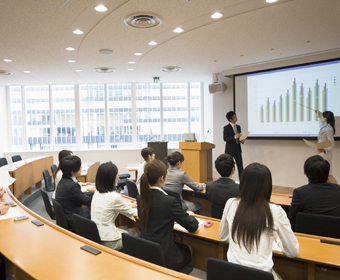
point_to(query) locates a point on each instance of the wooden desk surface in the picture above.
(88, 171)
(50, 252)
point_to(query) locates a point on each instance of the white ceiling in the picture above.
(34, 35)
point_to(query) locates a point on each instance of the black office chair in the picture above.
(146, 250)
(48, 181)
(3, 161)
(315, 224)
(174, 194)
(47, 203)
(132, 188)
(53, 168)
(16, 158)
(223, 270)
(86, 228)
(59, 214)
(217, 210)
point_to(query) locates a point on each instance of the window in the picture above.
(37, 117)
(92, 116)
(148, 113)
(64, 117)
(119, 116)
(16, 118)
(195, 110)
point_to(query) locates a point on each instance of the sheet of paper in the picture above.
(244, 135)
(178, 226)
(321, 145)
(12, 213)
(83, 189)
(5, 179)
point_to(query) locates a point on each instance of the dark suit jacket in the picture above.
(164, 211)
(315, 199)
(229, 137)
(71, 198)
(219, 191)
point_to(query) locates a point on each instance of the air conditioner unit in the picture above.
(217, 87)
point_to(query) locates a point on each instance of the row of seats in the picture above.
(3, 161)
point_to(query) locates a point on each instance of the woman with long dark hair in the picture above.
(327, 131)
(107, 204)
(251, 223)
(158, 212)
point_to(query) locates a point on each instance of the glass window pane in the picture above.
(64, 117)
(37, 118)
(148, 113)
(175, 112)
(120, 118)
(195, 110)
(16, 118)
(92, 116)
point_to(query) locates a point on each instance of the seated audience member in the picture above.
(59, 174)
(251, 223)
(219, 191)
(148, 154)
(158, 212)
(176, 179)
(107, 204)
(318, 196)
(4, 206)
(69, 193)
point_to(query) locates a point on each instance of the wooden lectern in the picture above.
(197, 160)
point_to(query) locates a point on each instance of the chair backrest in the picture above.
(124, 176)
(143, 249)
(217, 210)
(53, 168)
(47, 203)
(59, 214)
(86, 228)
(174, 194)
(132, 188)
(315, 224)
(16, 158)
(3, 161)
(223, 270)
(48, 182)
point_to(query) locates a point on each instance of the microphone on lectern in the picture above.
(206, 135)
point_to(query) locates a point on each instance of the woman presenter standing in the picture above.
(327, 131)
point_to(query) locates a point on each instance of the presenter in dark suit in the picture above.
(69, 193)
(318, 197)
(158, 212)
(219, 191)
(231, 134)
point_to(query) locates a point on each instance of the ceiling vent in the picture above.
(169, 69)
(104, 70)
(143, 21)
(5, 72)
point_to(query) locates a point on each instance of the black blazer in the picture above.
(219, 191)
(229, 137)
(164, 211)
(321, 199)
(71, 198)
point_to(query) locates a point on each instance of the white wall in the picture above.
(3, 121)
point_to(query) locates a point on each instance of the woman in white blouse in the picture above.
(327, 131)
(107, 204)
(251, 224)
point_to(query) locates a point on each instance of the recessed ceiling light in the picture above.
(130, 69)
(104, 70)
(79, 70)
(78, 31)
(101, 8)
(152, 43)
(271, 1)
(8, 84)
(132, 62)
(27, 72)
(70, 49)
(178, 30)
(71, 61)
(138, 53)
(5, 72)
(169, 69)
(216, 15)
(7, 60)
